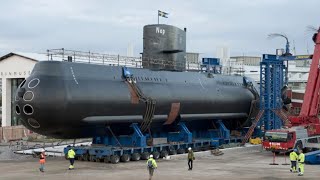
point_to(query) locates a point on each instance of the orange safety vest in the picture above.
(42, 158)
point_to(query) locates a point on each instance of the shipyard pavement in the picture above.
(236, 163)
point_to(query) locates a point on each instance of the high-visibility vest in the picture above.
(71, 154)
(301, 158)
(190, 155)
(42, 158)
(154, 164)
(293, 156)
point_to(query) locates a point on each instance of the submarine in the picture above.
(64, 99)
(74, 100)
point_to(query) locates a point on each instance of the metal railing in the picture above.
(93, 58)
(116, 60)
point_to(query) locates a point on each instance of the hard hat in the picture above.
(43, 150)
(189, 148)
(151, 156)
(295, 150)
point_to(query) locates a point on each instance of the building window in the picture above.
(14, 86)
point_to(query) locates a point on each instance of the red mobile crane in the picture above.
(304, 128)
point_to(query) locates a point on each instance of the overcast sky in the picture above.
(109, 26)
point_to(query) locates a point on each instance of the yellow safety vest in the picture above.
(293, 156)
(71, 153)
(154, 164)
(301, 158)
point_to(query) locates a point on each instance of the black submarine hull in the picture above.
(74, 100)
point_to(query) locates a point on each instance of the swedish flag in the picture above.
(162, 14)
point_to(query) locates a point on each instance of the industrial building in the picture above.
(298, 71)
(14, 68)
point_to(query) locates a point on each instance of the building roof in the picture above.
(245, 57)
(31, 56)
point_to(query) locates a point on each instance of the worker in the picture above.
(301, 162)
(152, 165)
(71, 155)
(42, 160)
(190, 158)
(293, 159)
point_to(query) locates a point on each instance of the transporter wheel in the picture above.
(81, 158)
(125, 158)
(106, 159)
(135, 157)
(99, 160)
(205, 148)
(164, 154)
(145, 156)
(86, 157)
(181, 151)
(156, 154)
(92, 158)
(196, 149)
(114, 159)
(173, 152)
(298, 145)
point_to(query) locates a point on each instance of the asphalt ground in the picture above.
(236, 163)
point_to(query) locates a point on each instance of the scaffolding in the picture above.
(273, 78)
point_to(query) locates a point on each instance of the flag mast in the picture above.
(162, 14)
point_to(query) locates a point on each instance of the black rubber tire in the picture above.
(81, 158)
(156, 155)
(298, 145)
(114, 159)
(106, 159)
(125, 158)
(164, 154)
(196, 149)
(92, 158)
(276, 152)
(205, 148)
(145, 155)
(181, 151)
(172, 152)
(135, 157)
(86, 157)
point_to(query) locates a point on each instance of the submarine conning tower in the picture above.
(164, 47)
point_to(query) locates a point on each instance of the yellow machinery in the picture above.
(256, 140)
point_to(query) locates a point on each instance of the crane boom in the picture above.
(308, 116)
(310, 101)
